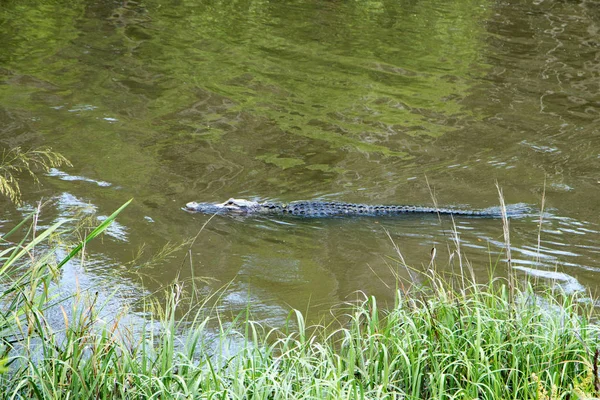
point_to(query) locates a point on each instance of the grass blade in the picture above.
(99, 229)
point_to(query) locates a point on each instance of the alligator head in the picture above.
(231, 206)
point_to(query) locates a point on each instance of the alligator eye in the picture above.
(229, 203)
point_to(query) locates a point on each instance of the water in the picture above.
(374, 101)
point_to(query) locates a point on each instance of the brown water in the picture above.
(370, 101)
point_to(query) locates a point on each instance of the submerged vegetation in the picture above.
(501, 340)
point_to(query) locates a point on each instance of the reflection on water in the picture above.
(568, 283)
(380, 102)
(66, 177)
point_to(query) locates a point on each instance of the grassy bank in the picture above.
(502, 340)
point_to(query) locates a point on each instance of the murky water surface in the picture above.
(364, 101)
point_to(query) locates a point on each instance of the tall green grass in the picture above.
(500, 340)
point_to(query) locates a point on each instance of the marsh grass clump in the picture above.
(478, 345)
(440, 340)
(443, 345)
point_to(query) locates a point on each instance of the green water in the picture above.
(363, 101)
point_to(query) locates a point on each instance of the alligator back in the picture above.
(315, 209)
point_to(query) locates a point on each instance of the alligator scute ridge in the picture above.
(323, 209)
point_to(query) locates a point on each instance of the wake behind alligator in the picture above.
(324, 209)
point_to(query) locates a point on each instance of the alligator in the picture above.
(320, 209)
